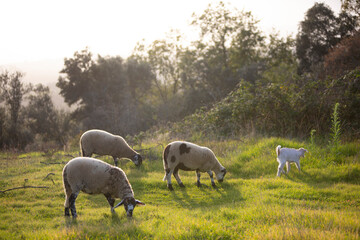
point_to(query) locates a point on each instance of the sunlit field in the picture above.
(321, 202)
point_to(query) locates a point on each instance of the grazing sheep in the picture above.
(94, 176)
(188, 157)
(104, 143)
(288, 155)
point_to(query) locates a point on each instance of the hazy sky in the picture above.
(38, 30)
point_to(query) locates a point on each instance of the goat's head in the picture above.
(303, 151)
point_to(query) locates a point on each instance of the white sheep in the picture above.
(188, 157)
(288, 155)
(94, 176)
(104, 143)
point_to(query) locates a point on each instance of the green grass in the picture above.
(321, 202)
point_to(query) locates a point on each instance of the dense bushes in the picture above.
(280, 109)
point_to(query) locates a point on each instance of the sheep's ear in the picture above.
(139, 203)
(120, 203)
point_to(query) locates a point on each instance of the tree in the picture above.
(352, 7)
(317, 34)
(13, 91)
(320, 31)
(229, 48)
(41, 114)
(344, 57)
(76, 82)
(163, 59)
(109, 91)
(279, 50)
(347, 24)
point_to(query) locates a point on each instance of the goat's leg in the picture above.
(298, 165)
(211, 177)
(287, 166)
(280, 168)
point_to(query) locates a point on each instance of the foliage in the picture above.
(36, 121)
(230, 82)
(352, 7)
(344, 57)
(321, 202)
(110, 92)
(12, 92)
(318, 33)
(335, 127)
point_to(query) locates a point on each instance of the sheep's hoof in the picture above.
(170, 187)
(182, 185)
(198, 184)
(213, 184)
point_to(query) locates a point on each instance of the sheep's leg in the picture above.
(287, 167)
(111, 201)
(176, 175)
(85, 154)
(198, 178)
(115, 161)
(67, 208)
(168, 173)
(72, 199)
(298, 165)
(67, 212)
(68, 193)
(211, 177)
(280, 168)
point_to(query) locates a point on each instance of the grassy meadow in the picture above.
(321, 202)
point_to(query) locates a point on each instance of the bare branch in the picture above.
(51, 163)
(49, 174)
(10, 189)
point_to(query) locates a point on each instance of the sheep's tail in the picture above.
(82, 151)
(67, 187)
(278, 150)
(165, 156)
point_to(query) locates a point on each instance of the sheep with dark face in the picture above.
(104, 143)
(94, 176)
(189, 157)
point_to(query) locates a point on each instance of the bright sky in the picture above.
(38, 30)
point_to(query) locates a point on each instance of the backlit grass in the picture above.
(321, 202)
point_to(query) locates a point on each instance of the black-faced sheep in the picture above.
(288, 155)
(104, 143)
(189, 157)
(94, 176)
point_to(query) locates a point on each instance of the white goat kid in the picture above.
(287, 156)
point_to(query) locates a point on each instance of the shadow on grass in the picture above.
(206, 195)
(70, 222)
(320, 178)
